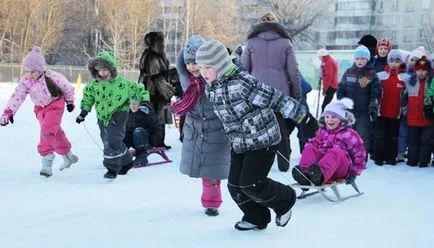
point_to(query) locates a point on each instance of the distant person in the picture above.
(154, 75)
(384, 46)
(50, 91)
(360, 83)
(269, 56)
(329, 76)
(370, 42)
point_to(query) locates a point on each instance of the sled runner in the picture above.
(155, 150)
(322, 188)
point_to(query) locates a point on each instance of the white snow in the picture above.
(160, 207)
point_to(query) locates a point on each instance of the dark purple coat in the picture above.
(269, 57)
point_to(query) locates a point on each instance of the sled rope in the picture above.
(301, 173)
(91, 137)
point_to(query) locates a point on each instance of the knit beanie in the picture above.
(394, 55)
(34, 61)
(418, 53)
(322, 52)
(384, 42)
(215, 54)
(338, 108)
(190, 48)
(361, 52)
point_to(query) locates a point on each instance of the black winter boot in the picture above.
(110, 174)
(315, 175)
(300, 176)
(124, 170)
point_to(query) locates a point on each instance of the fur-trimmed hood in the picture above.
(263, 27)
(105, 58)
(348, 121)
(155, 42)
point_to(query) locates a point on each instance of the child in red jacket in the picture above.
(387, 123)
(419, 126)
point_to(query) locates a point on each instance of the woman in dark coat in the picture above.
(154, 75)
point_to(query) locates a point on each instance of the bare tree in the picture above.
(298, 15)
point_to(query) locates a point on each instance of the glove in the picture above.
(70, 107)
(309, 125)
(428, 111)
(351, 179)
(81, 117)
(8, 116)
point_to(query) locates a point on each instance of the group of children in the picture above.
(231, 130)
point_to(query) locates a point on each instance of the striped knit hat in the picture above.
(214, 53)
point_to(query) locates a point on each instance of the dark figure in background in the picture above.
(174, 80)
(142, 131)
(154, 75)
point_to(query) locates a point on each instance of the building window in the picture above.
(409, 6)
(394, 5)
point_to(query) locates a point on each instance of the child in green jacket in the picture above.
(111, 95)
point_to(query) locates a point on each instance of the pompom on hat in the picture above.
(322, 52)
(338, 108)
(34, 60)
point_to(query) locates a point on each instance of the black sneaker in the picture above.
(315, 175)
(246, 226)
(124, 170)
(423, 165)
(391, 161)
(283, 219)
(299, 176)
(212, 211)
(110, 174)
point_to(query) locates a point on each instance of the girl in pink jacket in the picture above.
(49, 92)
(337, 151)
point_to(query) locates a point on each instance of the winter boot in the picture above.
(212, 211)
(283, 219)
(300, 176)
(124, 170)
(141, 158)
(110, 174)
(68, 160)
(47, 163)
(245, 226)
(315, 175)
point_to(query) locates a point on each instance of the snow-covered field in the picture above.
(159, 207)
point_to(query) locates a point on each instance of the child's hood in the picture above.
(108, 60)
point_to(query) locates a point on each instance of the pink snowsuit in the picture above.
(337, 152)
(211, 194)
(49, 110)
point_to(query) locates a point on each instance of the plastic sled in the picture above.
(161, 151)
(322, 190)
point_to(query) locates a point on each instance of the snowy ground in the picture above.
(159, 207)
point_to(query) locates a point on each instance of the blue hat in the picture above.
(361, 52)
(394, 55)
(190, 48)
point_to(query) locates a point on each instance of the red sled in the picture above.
(157, 150)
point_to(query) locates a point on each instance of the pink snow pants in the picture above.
(52, 137)
(333, 164)
(211, 194)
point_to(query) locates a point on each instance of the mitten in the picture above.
(81, 117)
(70, 107)
(8, 116)
(351, 179)
(428, 111)
(309, 125)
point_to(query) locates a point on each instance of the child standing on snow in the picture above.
(387, 124)
(49, 92)
(360, 83)
(111, 95)
(337, 151)
(419, 126)
(246, 108)
(205, 148)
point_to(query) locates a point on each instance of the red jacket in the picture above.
(329, 73)
(392, 83)
(415, 93)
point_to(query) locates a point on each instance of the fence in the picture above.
(306, 60)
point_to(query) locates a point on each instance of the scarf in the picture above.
(190, 97)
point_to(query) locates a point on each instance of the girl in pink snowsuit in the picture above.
(49, 92)
(337, 151)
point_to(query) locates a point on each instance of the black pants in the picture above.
(116, 153)
(419, 145)
(253, 192)
(284, 146)
(138, 139)
(386, 138)
(330, 92)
